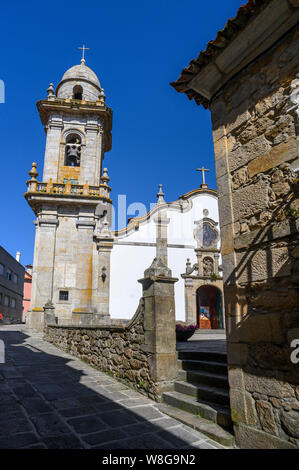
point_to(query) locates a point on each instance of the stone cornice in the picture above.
(177, 206)
(47, 222)
(208, 279)
(36, 200)
(104, 242)
(72, 107)
(67, 198)
(207, 191)
(243, 39)
(147, 281)
(85, 224)
(46, 107)
(207, 250)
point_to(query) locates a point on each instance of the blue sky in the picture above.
(136, 49)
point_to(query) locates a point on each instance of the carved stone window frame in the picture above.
(199, 225)
(63, 143)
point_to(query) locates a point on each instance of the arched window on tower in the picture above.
(77, 92)
(72, 150)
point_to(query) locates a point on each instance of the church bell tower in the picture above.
(72, 202)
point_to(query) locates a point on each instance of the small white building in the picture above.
(192, 233)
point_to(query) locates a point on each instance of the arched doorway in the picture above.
(209, 307)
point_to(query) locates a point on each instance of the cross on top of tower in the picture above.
(203, 170)
(83, 48)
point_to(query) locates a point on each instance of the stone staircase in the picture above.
(200, 397)
(200, 332)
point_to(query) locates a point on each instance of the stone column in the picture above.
(161, 228)
(43, 266)
(190, 304)
(52, 151)
(83, 292)
(159, 323)
(49, 313)
(216, 257)
(104, 247)
(161, 236)
(199, 255)
(42, 281)
(90, 167)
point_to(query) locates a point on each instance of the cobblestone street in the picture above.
(49, 399)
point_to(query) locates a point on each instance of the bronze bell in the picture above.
(73, 153)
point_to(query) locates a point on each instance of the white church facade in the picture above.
(193, 255)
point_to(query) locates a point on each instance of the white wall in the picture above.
(127, 266)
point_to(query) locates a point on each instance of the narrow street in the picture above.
(49, 399)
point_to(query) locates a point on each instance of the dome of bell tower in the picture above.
(80, 82)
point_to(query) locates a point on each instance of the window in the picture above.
(15, 278)
(63, 295)
(77, 92)
(72, 150)
(9, 274)
(1, 269)
(6, 300)
(13, 303)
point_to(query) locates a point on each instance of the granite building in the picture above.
(11, 288)
(27, 290)
(248, 78)
(72, 202)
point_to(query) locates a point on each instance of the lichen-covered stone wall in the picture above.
(255, 132)
(117, 350)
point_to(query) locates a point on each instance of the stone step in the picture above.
(206, 427)
(204, 377)
(211, 411)
(203, 392)
(202, 356)
(211, 366)
(209, 332)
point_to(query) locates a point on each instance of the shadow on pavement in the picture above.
(49, 400)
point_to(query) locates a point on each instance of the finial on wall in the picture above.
(51, 91)
(160, 195)
(105, 178)
(33, 172)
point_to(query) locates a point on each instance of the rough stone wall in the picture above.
(117, 350)
(255, 132)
